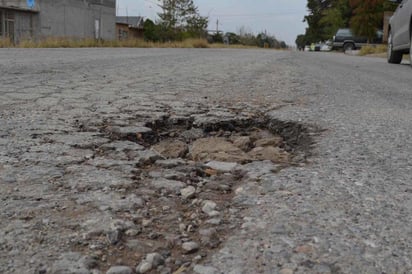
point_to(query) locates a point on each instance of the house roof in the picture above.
(132, 21)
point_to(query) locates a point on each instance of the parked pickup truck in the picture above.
(344, 39)
(400, 32)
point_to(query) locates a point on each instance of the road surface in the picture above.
(65, 200)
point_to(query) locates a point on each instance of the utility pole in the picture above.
(217, 26)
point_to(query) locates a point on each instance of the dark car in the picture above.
(344, 39)
(400, 32)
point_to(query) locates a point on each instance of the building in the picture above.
(39, 19)
(129, 27)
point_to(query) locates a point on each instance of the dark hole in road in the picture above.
(296, 138)
(189, 207)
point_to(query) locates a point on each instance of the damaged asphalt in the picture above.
(203, 161)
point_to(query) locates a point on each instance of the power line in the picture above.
(257, 14)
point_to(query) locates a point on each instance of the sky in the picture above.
(281, 18)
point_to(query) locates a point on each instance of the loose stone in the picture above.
(209, 207)
(155, 259)
(286, 271)
(188, 192)
(190, 247)
(144, 267)
(171, 148)
(119, 270)
(200, 269)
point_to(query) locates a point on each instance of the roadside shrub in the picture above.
(129, 43)
(375, 49)
(199, 43)
(5, 43)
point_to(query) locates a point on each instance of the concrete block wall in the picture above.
(77, 18)
(63, 18)
(19, 4)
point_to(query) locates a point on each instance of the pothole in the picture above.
(187, 172)
(236, 140)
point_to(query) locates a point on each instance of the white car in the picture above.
(400, 32)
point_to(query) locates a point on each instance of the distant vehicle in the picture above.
(400, 32)
(344, 39)
(327, 46)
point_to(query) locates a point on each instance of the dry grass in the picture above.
(5, 43)
(373, 49)
(92, 43)
(131, 43)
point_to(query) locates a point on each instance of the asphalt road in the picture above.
(349, 210)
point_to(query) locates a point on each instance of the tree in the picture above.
(151, 31)
(301, 41)
(368, 16)
(315, 31)
(181, 18)
(335, 17)
(327, 16)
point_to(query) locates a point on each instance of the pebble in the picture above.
(155, 259)
(286, 271)
(222, 166)
(188, 192)
(190, 247)
(113, 237)
(200, 269)
(209, 207)
(144, 267)
(119, 270)
(214, 221)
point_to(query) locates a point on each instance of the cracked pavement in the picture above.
(80, 193)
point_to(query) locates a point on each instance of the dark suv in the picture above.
(400, 32)
(345, 40)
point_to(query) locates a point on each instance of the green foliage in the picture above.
(215, 38)
(315, 32)
(233, 38)
(301, 41)
(367, 16)
(325, 17)
(151, 31)
(180, 19)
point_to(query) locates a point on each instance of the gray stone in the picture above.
(144, 267)
(214, 221)
(209, 208)
(119, 270)
(113, 236)
(155, 259)
(200, 269)
(222, 166)
(190, 247)
(144, 157)
(188, 192)
(286, 271)
(130, 130)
